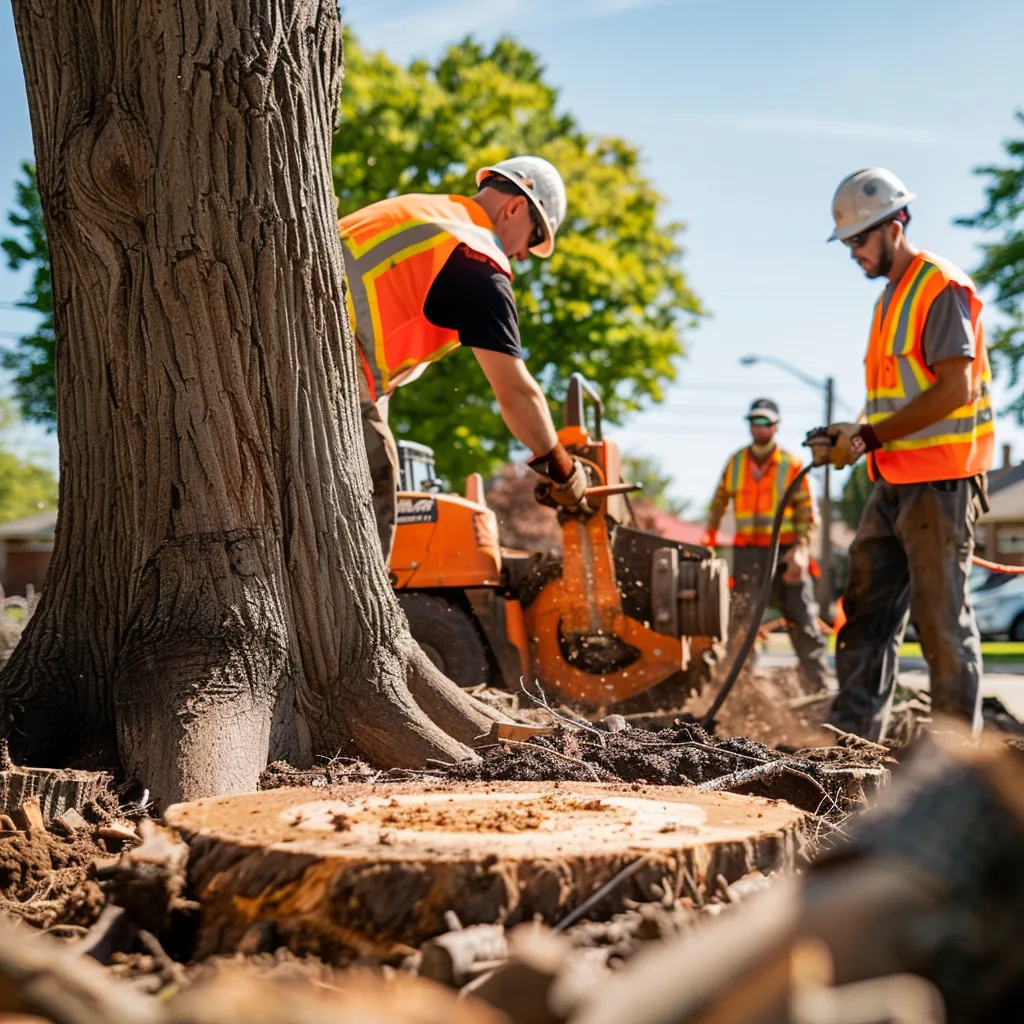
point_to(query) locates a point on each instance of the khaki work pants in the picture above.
(382, 455)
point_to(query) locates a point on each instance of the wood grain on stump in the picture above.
(371, 871)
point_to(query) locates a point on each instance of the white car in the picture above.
(998, 602)
(999, 606)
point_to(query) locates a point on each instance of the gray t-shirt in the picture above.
(947, 331)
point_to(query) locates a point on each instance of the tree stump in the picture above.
(354, 870)
(55, 789)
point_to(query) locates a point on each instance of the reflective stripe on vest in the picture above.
(394, 251)
(756, 500)
(961, 444)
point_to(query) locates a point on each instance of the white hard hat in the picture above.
(541, 184)
(864, 199)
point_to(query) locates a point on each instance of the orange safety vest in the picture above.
(961, 445)
(394, 251)
(756, 492)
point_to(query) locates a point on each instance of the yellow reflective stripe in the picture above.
(358, 251)
(735, 472)
(369, 277)
(906, 327)
(408, 364)
(962, 437)
(894, 315)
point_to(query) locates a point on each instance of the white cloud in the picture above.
(440, 23)
(800, 124)
(449, 20)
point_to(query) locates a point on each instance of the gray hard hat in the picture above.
(866, 198)
(763, 408)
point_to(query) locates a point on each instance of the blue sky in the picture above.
(747, 112)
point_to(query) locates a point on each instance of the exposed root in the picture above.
(447, 705)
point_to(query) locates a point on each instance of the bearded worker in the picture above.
(928, 440)
(427, 273)
(754, 481)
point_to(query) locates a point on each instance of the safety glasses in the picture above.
(856, 241)
(540, 232)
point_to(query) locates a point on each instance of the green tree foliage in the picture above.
(31, 357)
(1002, 266)
(612, 302)
(25, 488)
(646, 471)
(855, 495)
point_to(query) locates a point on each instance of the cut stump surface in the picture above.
(351, 870)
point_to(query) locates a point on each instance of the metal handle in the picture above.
(574, 411)
(604, 490)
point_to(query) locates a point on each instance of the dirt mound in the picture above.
(50, 881)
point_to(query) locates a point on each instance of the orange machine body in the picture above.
(574, 627)
(582, 609)
(443, 541)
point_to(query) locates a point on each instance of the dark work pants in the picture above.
(912, 550)
(796, 601)
(382, 455)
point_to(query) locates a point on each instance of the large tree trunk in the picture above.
(216, 595)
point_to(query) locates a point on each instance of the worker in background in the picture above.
(755, 480)
(426, 273)
(928, 441)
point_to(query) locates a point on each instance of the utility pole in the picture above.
(825, 586)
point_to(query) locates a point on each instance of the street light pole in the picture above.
(825, 586)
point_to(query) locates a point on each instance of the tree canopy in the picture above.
(25, 488)
(612, 302)
(1002, 266)
(31, 358)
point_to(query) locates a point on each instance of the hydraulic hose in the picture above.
(762, 600)
(1005, 570)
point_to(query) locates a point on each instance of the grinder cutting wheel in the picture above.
(620, 612)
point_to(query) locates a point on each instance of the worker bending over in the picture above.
(929, 441)
(426, 273)
(755, 479)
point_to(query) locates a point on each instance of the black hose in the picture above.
(762, 602)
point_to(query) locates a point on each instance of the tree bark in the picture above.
(216, 596)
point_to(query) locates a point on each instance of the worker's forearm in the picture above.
(525, 412)
(927, 408)
(719, 504)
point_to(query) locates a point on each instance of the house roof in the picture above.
(1000, 479)
(672, 528)
(40, 525)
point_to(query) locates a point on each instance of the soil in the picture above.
(51, 881)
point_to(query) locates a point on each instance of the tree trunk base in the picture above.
(372, 872)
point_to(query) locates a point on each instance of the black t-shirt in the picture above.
(471, 296)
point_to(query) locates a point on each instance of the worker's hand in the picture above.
(798, 563)
(710, 539)
(848, 445)
(567, 496)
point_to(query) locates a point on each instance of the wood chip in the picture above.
(29, 816)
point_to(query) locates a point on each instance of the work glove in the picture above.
(798, 563)
(848, 445)
(710, 539)
(566, 496)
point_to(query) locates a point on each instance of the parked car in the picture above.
(999, 607)
(998, 602)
